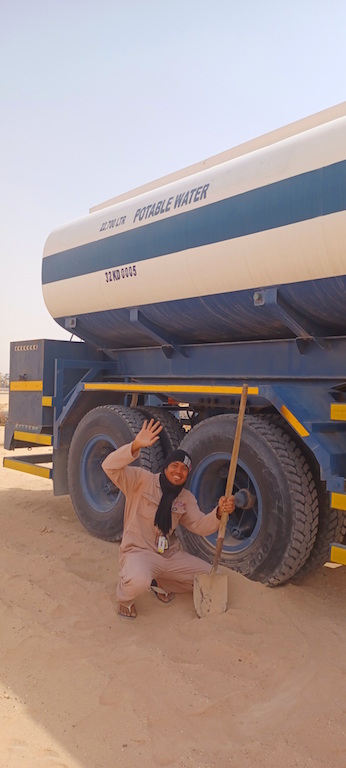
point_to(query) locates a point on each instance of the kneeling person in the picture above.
(150, 556)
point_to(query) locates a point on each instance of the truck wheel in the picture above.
(271, 542)
(98, 503)
(330, 524)
(331, 529)
(172, 433)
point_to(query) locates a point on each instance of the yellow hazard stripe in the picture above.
(33, 437)
(338, 412)
(338, 501)
(338, 554)
(30, 469)
(176, 388)
(294, 422)
(26, 386)
(31, 386)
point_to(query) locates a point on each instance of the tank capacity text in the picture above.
(179, 201)
(122, 273)
(113, 223)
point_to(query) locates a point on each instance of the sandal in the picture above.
(127, 611)
(161, 594)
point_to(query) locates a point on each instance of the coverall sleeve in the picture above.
(196, 521)
(116, 468)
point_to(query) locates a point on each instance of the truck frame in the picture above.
(73, 401)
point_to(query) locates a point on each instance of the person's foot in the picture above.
(160, 593)
(126, 611)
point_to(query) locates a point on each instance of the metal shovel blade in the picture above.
(210, 593)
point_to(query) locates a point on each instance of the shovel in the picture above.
(210, 590)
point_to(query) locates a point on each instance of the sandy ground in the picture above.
(262, 685)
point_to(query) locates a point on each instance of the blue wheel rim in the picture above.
(99, 491)
(208, 483)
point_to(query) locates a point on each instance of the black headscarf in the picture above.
(163, 517)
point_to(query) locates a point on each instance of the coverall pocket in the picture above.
(148, 506)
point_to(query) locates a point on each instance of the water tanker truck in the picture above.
(228, 272)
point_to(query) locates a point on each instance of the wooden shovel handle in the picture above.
(231, 476)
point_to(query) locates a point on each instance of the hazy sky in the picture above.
(99, 97)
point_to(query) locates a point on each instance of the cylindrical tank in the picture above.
(193, 254)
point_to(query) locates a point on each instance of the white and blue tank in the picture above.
(195, 254)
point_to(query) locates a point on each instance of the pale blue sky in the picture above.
(100, 97)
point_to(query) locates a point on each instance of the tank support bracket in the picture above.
(168, 346)
(296, 322)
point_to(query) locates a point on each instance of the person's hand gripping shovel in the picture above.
(210, 590)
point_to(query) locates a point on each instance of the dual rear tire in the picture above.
(285, 535)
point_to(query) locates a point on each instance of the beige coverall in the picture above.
(139, 560)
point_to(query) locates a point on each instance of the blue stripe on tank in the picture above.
(306, 196)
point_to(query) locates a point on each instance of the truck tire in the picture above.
(330, 524)
(271, 542)
(331, 529)
(172, 433)
(98, 503)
